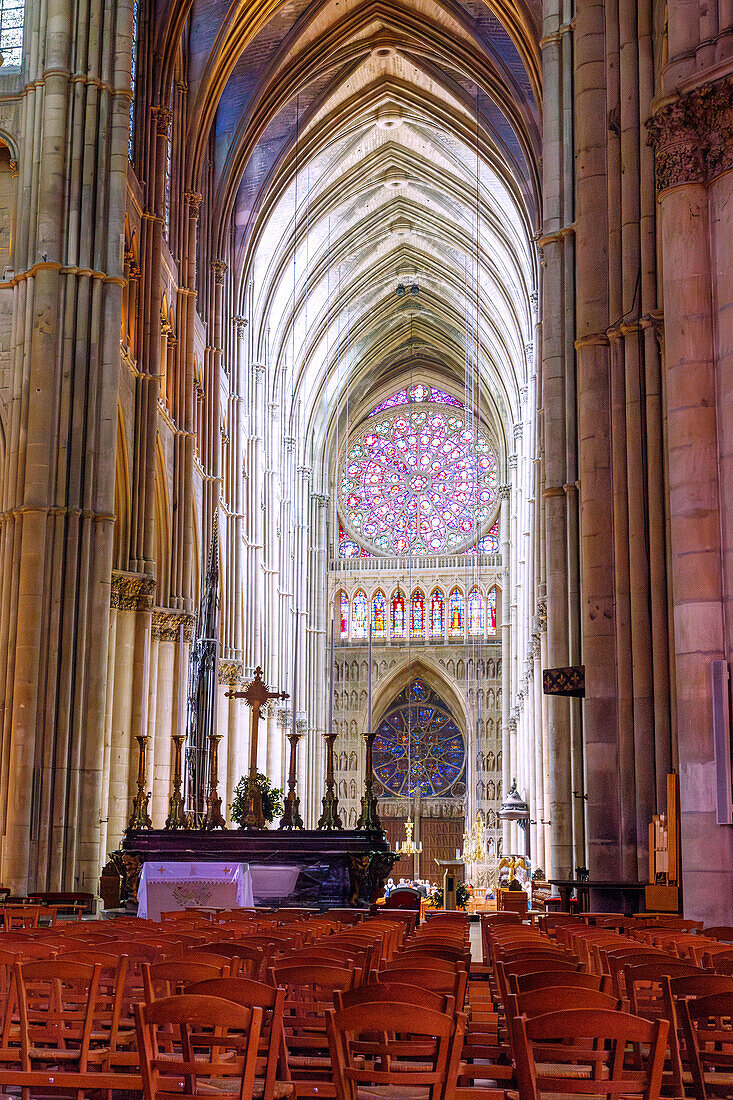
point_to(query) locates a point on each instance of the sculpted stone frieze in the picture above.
(166, 624)
(692, 137)
(131, 591)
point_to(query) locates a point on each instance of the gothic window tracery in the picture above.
(379, 615)
(360, 616)
(344, 615)
(417, 614)
(455, 613)
(475, 612)
(418, 744)
(419, 480)
(398, 614)
(437, 614)
(491, 612)
(12, 13)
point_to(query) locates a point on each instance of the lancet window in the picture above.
(344, 614)
(455, 613)
(491, 612)
(437, 614)
(379, 615)
(398, 614)
(12, 14)
(360, 616)
(417, 614)
(475, 613)
(133, 78)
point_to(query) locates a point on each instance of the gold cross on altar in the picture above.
(256, 695)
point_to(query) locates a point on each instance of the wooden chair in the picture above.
(722, 932)
(643, 984)
(170, 977)
(707, 1025)
(309, 993)
(387, 1049)
(271, 1072)
(448, 982)
(675, 990)
(564, 979)
(56, 1001)
(395, 993)
(215, 1042)
(248, 961)
(587, 1054)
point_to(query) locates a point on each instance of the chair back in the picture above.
(56, 1002)
(201, 1042)
(390, 1047)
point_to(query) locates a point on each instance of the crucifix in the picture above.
(256, 695)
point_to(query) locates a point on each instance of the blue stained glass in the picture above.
(133, 81)
(418, 392)
(398, 614)
(361, 615)
(417, 614)
(418, 745)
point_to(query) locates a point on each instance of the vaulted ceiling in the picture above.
(353, 146)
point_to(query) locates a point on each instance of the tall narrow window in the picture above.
(437, 614)
(379, 615)
(11, 32)
(344, 613)
(133, 80)
(455, 613)
(361, 615)
(168, 168)
(417, 614)
(491, 612)
(475, 612)
(398, 614)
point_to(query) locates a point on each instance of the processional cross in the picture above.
(256, 695)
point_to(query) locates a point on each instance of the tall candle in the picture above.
(330, 686)
(181, 682)
(145, 678)
(295, 671)
(369, 688)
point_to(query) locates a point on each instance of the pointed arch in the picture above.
(456, 613)
(417, 614)
(379, 614)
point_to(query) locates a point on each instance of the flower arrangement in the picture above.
(272, 800)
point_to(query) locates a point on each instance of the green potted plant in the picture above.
(272, 800)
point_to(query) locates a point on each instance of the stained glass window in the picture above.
(437, 614)
(417, 614)
(344, 612)
(415, 393)
(475, 612)
(491, 615)
(379, 615)
(12, 13)
(418, 481)
(348, 548)
(398, 614)
(168, 171)
(133, 80)
(418, 745)
(455, 613)
(489, 544)
(361, 615)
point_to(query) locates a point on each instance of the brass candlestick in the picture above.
(140, 818)
(291, 818)
(213, 818)
(176, 814)
(330, 818)
(369, 817)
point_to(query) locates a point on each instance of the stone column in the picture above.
(692, 141)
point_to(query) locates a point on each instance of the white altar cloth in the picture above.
(167, 886)
(271, 880)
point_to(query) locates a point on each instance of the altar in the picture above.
(169, 887)
(338, 867)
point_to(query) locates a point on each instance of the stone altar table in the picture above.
(335, 868)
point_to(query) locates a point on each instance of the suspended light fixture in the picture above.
(408, 847)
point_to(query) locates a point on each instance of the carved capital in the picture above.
(193, 200)
(240, 326)
(132, 591)
(231, 673)
(259, 371)
(692, 137)
(542, 614)
(219, 268)
(163, 117)
(166, 624)
(504, 492)
(512, 462)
